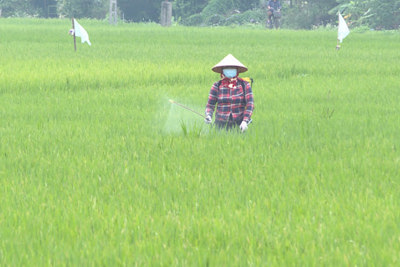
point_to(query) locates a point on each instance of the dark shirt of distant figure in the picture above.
(275, 5)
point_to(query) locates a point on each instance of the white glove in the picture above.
(243, 126)
(208, 119)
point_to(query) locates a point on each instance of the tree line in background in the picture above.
(297, 14)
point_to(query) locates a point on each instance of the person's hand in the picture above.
(208, 119)
(243, 126)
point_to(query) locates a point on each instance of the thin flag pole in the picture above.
(73, 27)
(337, 41)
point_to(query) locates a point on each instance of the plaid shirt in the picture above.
(231, 101)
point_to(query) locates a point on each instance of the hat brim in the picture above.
(218, 69)
(229, 62)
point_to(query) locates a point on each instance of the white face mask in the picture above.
(229, 73)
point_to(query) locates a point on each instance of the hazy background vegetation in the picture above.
(374, 14)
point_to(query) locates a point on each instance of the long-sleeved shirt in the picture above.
(275, 5)
(230, 101)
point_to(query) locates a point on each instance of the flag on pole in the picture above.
(343, 30)
(81, 32)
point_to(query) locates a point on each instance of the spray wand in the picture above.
(185, 107)
(195, 112)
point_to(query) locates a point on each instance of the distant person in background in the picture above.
(274, 9)
(231, 95)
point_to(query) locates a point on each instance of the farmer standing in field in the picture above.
(274, 9)
(232, 95)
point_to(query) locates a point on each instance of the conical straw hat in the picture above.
(229, 61)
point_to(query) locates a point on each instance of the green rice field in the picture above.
(98, 168)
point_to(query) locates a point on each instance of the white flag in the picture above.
(343, 30)
(81, 32)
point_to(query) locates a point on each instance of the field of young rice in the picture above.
(98, 168)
